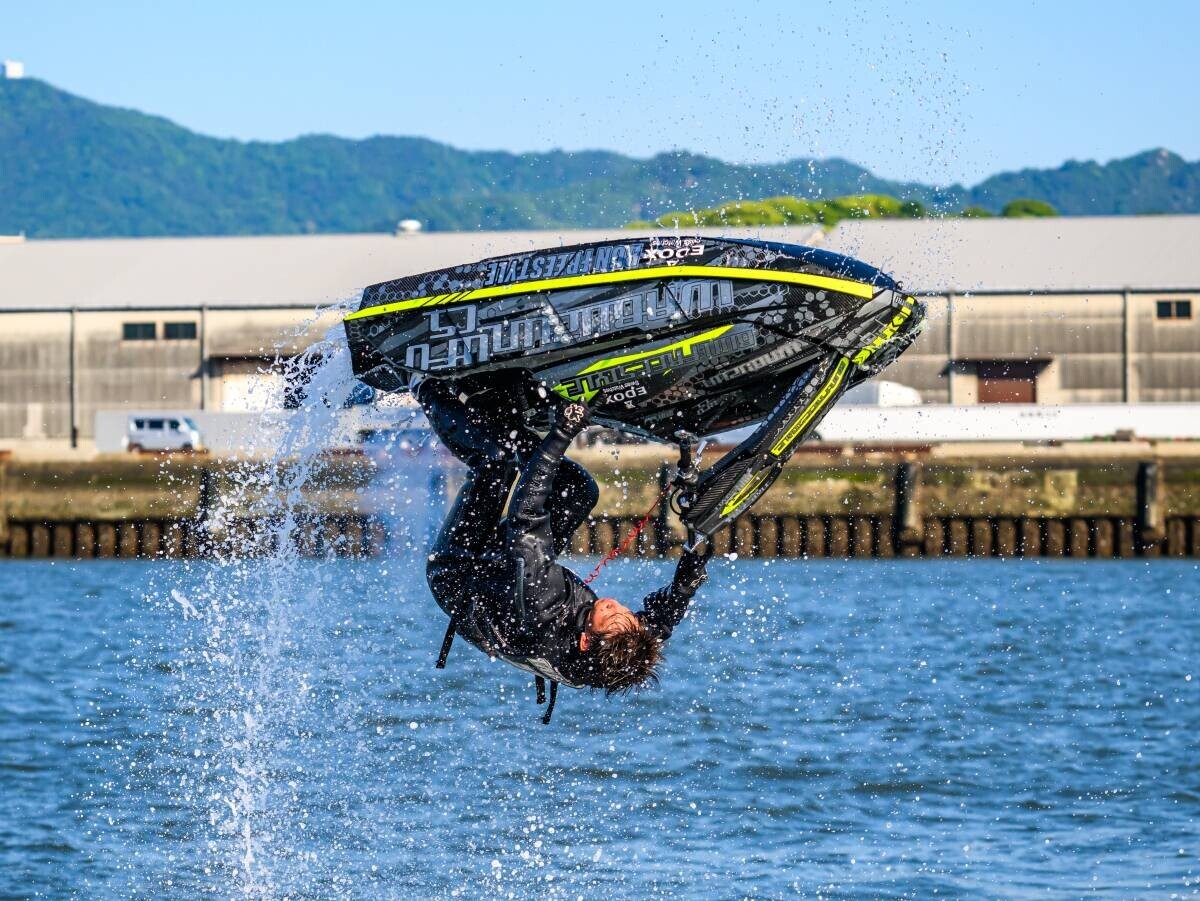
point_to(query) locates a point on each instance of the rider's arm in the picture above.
(531, 540)
(663, 609)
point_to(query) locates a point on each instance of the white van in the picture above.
(161, 433)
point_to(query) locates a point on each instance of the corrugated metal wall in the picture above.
(148, 374)
(35, 360)
(1166, 360)
(1080, 339)
(112, 372)
(923, 365)
(1082, 335)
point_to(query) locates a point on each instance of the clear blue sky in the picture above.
(935, 91)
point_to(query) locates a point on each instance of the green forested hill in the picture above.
(1156, 181)
(70, 167)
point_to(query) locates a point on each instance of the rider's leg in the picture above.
(473, 531)
(575, 494)
(492, 439)
(473, 525)
(466, 432)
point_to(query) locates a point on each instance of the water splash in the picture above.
(248, 696)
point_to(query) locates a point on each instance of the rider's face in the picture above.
(608, 615)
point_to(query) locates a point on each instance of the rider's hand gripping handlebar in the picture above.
(685, 477)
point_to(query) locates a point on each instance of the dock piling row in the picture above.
(1144, 528)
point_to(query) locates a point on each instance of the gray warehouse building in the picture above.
(1045, 311)
(1048, 311)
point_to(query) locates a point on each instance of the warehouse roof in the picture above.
(299, 270)
(1093, 253)
(981, 255)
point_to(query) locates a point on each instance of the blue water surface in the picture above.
(916, 729)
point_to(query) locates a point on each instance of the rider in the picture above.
(498, 579)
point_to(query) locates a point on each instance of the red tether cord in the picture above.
(624, 545)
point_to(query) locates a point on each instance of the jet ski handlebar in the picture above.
(690, 450)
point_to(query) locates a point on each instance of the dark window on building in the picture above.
(180, 331)
(138, 331)
(1173, 309)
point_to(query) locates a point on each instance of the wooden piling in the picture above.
(882, 537)
(1030, 544)
(792, 538)
(1006, 537)
(959, 539)
(106, 540)
(1126, 538)
(935, 537)
(18, 540)
(815, 544)
(1077, 537)
(767, 528)
(751, 535)
(861, 539)
(605, 538)
(39, 540)
(1104, 538)
(85, 540)
(1054, 540)
(1176, 537)
(127, 540)
(839, 537)
(63, 539)
(151, 539)
(981, 537)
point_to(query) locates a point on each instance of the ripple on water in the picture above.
(956, 734)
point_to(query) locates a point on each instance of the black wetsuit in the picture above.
(498, 578)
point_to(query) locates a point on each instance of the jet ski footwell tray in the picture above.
(658, 336)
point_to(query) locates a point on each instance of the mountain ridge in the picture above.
(70, 167)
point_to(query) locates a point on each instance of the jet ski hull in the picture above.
(656, 334)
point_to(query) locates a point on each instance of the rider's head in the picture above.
(622, 651)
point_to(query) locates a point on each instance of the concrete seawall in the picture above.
(1114, 501)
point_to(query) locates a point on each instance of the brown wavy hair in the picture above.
(625, 660)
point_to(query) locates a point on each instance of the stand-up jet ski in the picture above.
(666, 337)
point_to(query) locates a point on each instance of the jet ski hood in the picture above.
(656, 333)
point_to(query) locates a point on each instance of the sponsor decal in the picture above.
(672, 251)
(886, 335)
(462, 335)
(589, 260)
(746, 491)
(814, 406)
(646, 365)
